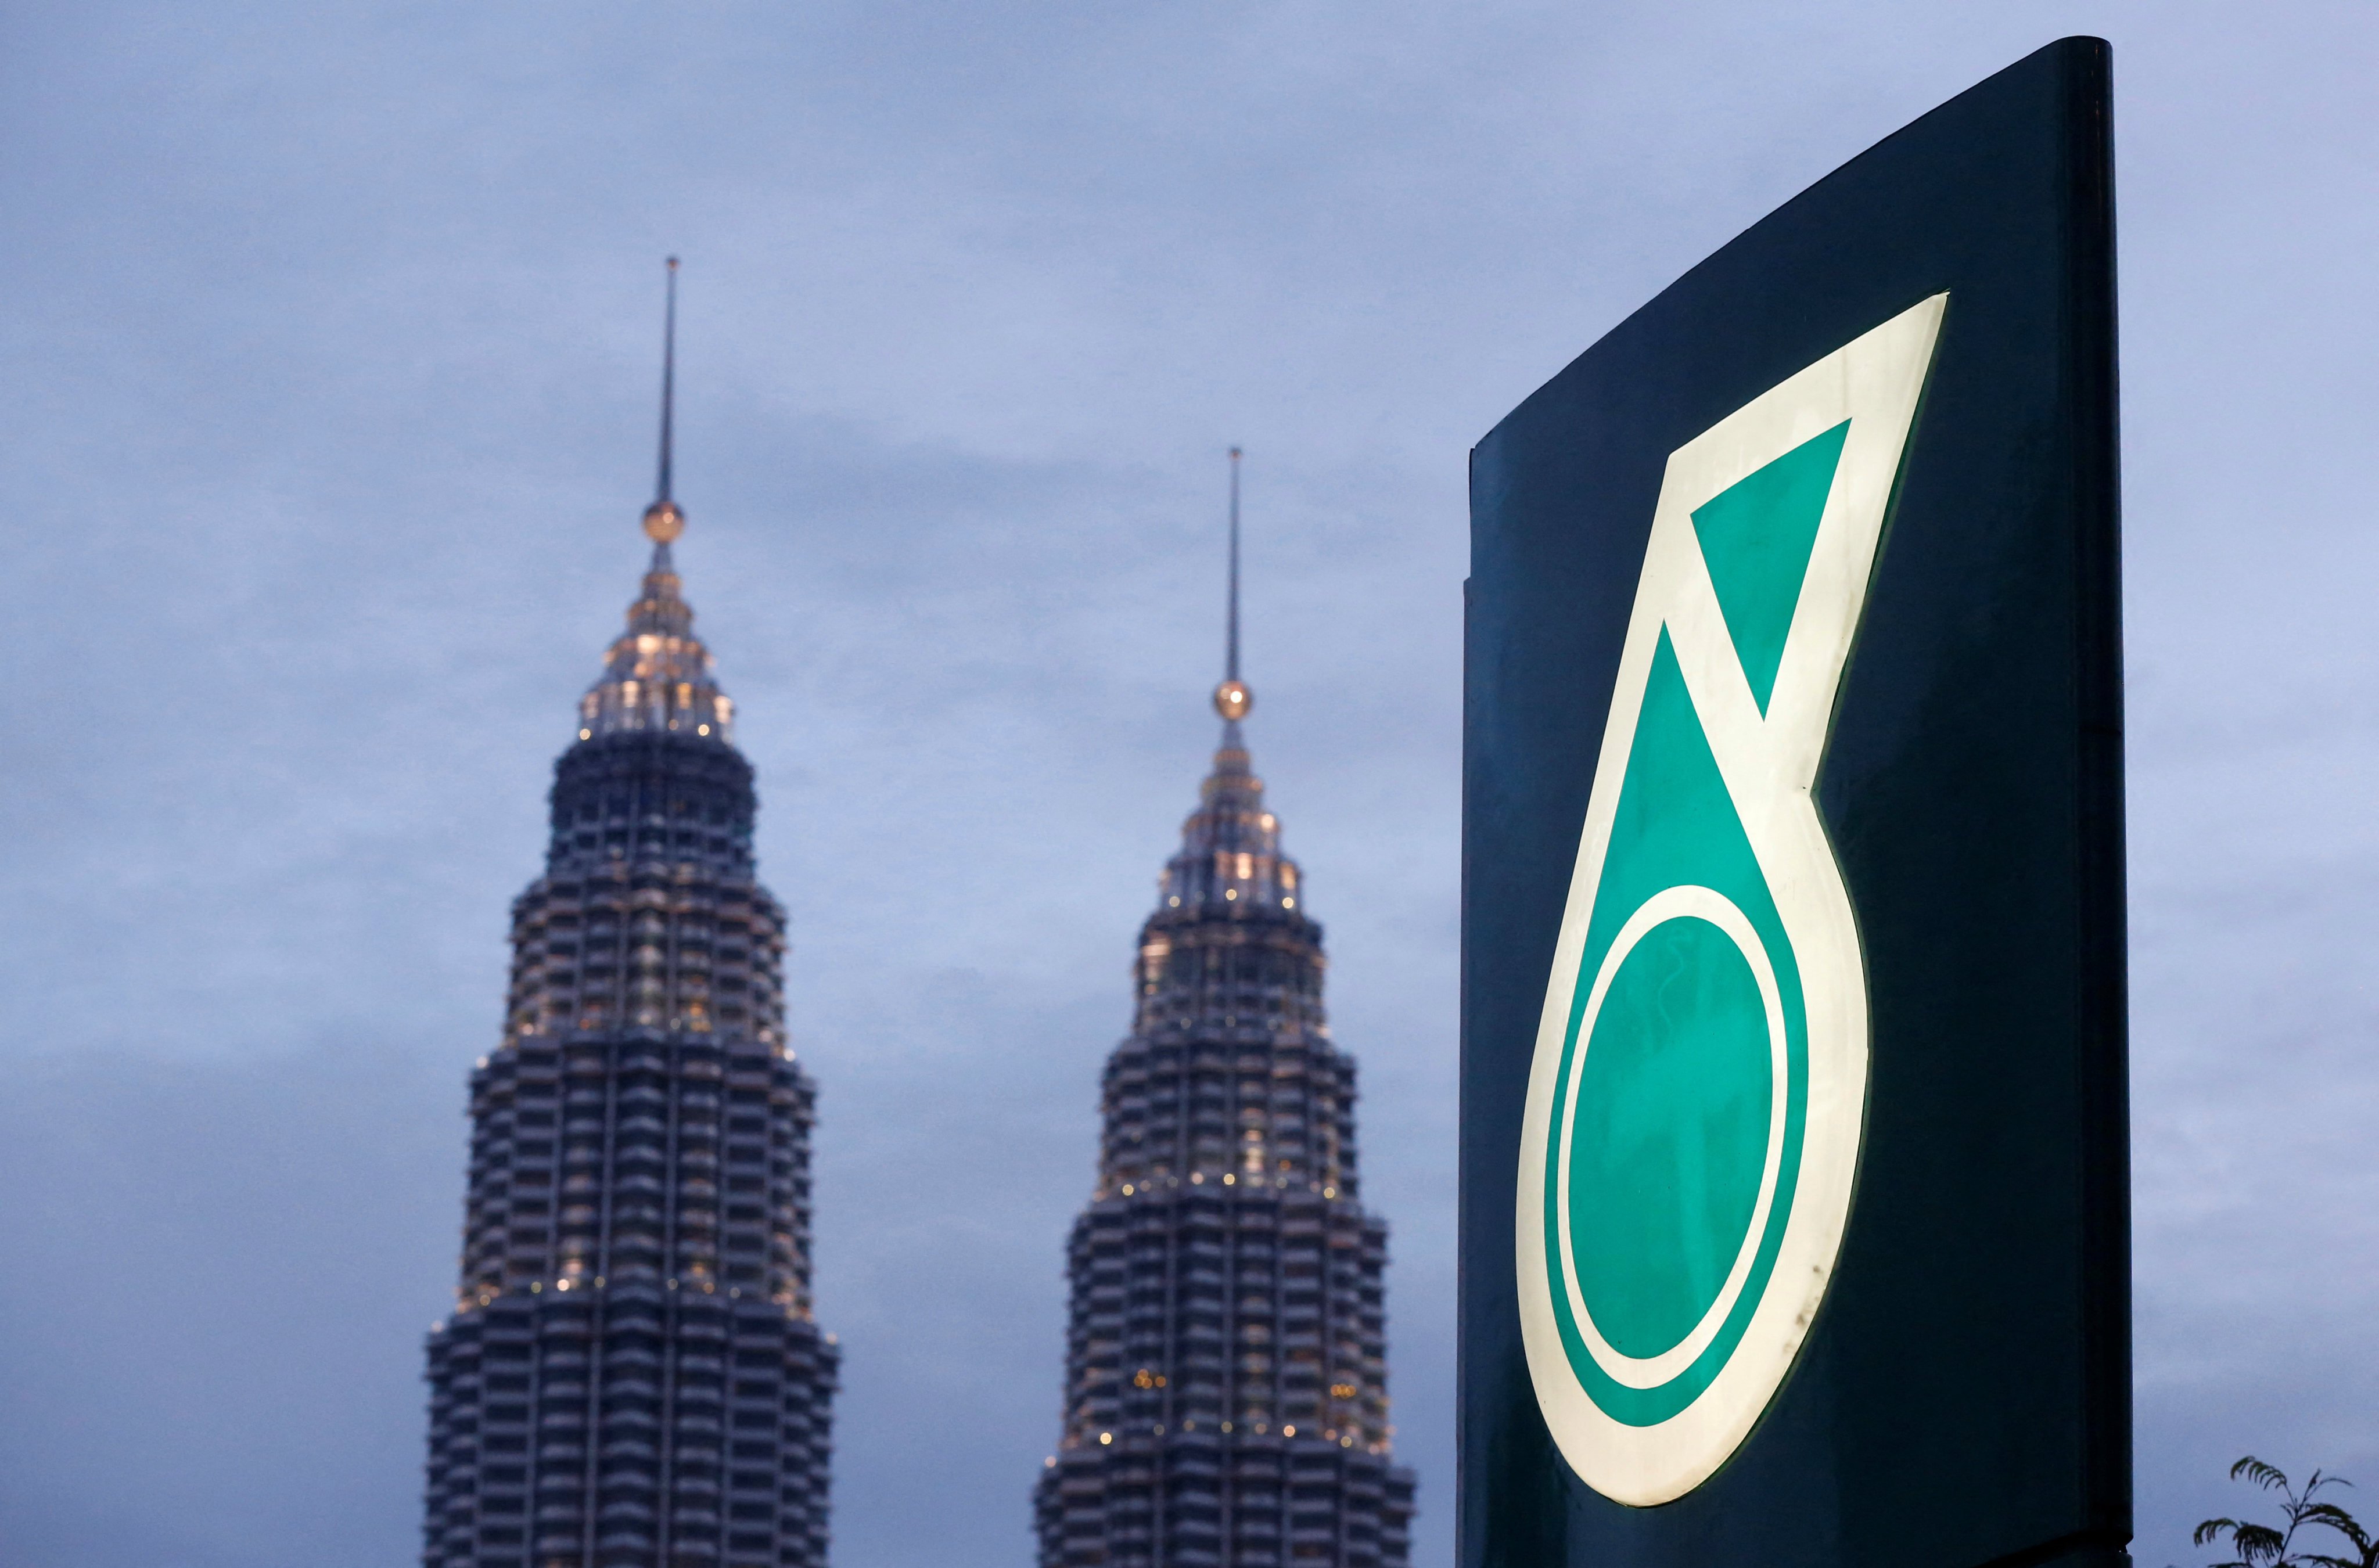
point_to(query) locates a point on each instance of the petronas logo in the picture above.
(1699, 1083)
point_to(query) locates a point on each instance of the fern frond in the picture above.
(2269, 1477)
(2259, 1541)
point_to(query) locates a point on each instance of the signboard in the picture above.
(1794, 1172)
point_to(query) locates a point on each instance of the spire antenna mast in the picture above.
(663, 520)
(1232, 698)
(1231, 658)
(669, 377)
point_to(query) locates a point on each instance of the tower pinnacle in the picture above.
(657, 676)
(663, 520)
(1232, 698)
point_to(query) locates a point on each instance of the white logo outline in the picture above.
(1768, 761)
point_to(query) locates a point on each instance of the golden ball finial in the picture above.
(1232, 699)
(663, 522)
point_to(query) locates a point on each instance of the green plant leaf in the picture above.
(2266, 1476)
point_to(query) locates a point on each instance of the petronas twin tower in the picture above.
(632, 1377)
(632, 1373)
(1226, 1382)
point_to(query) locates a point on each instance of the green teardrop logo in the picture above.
(1698, 1087)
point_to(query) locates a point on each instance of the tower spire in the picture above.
(1232, 698)
(1231, 658)
(657, 676)
(663, 520)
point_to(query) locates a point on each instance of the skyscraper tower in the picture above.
(1227, 1398)
(631, 1377)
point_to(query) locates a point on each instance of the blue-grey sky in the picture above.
(326, 372)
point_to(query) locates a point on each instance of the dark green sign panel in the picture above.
(1794, 1173)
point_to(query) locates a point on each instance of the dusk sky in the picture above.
(330, 345)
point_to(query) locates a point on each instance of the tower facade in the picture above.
(632, 1375)
(1225, 1400)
